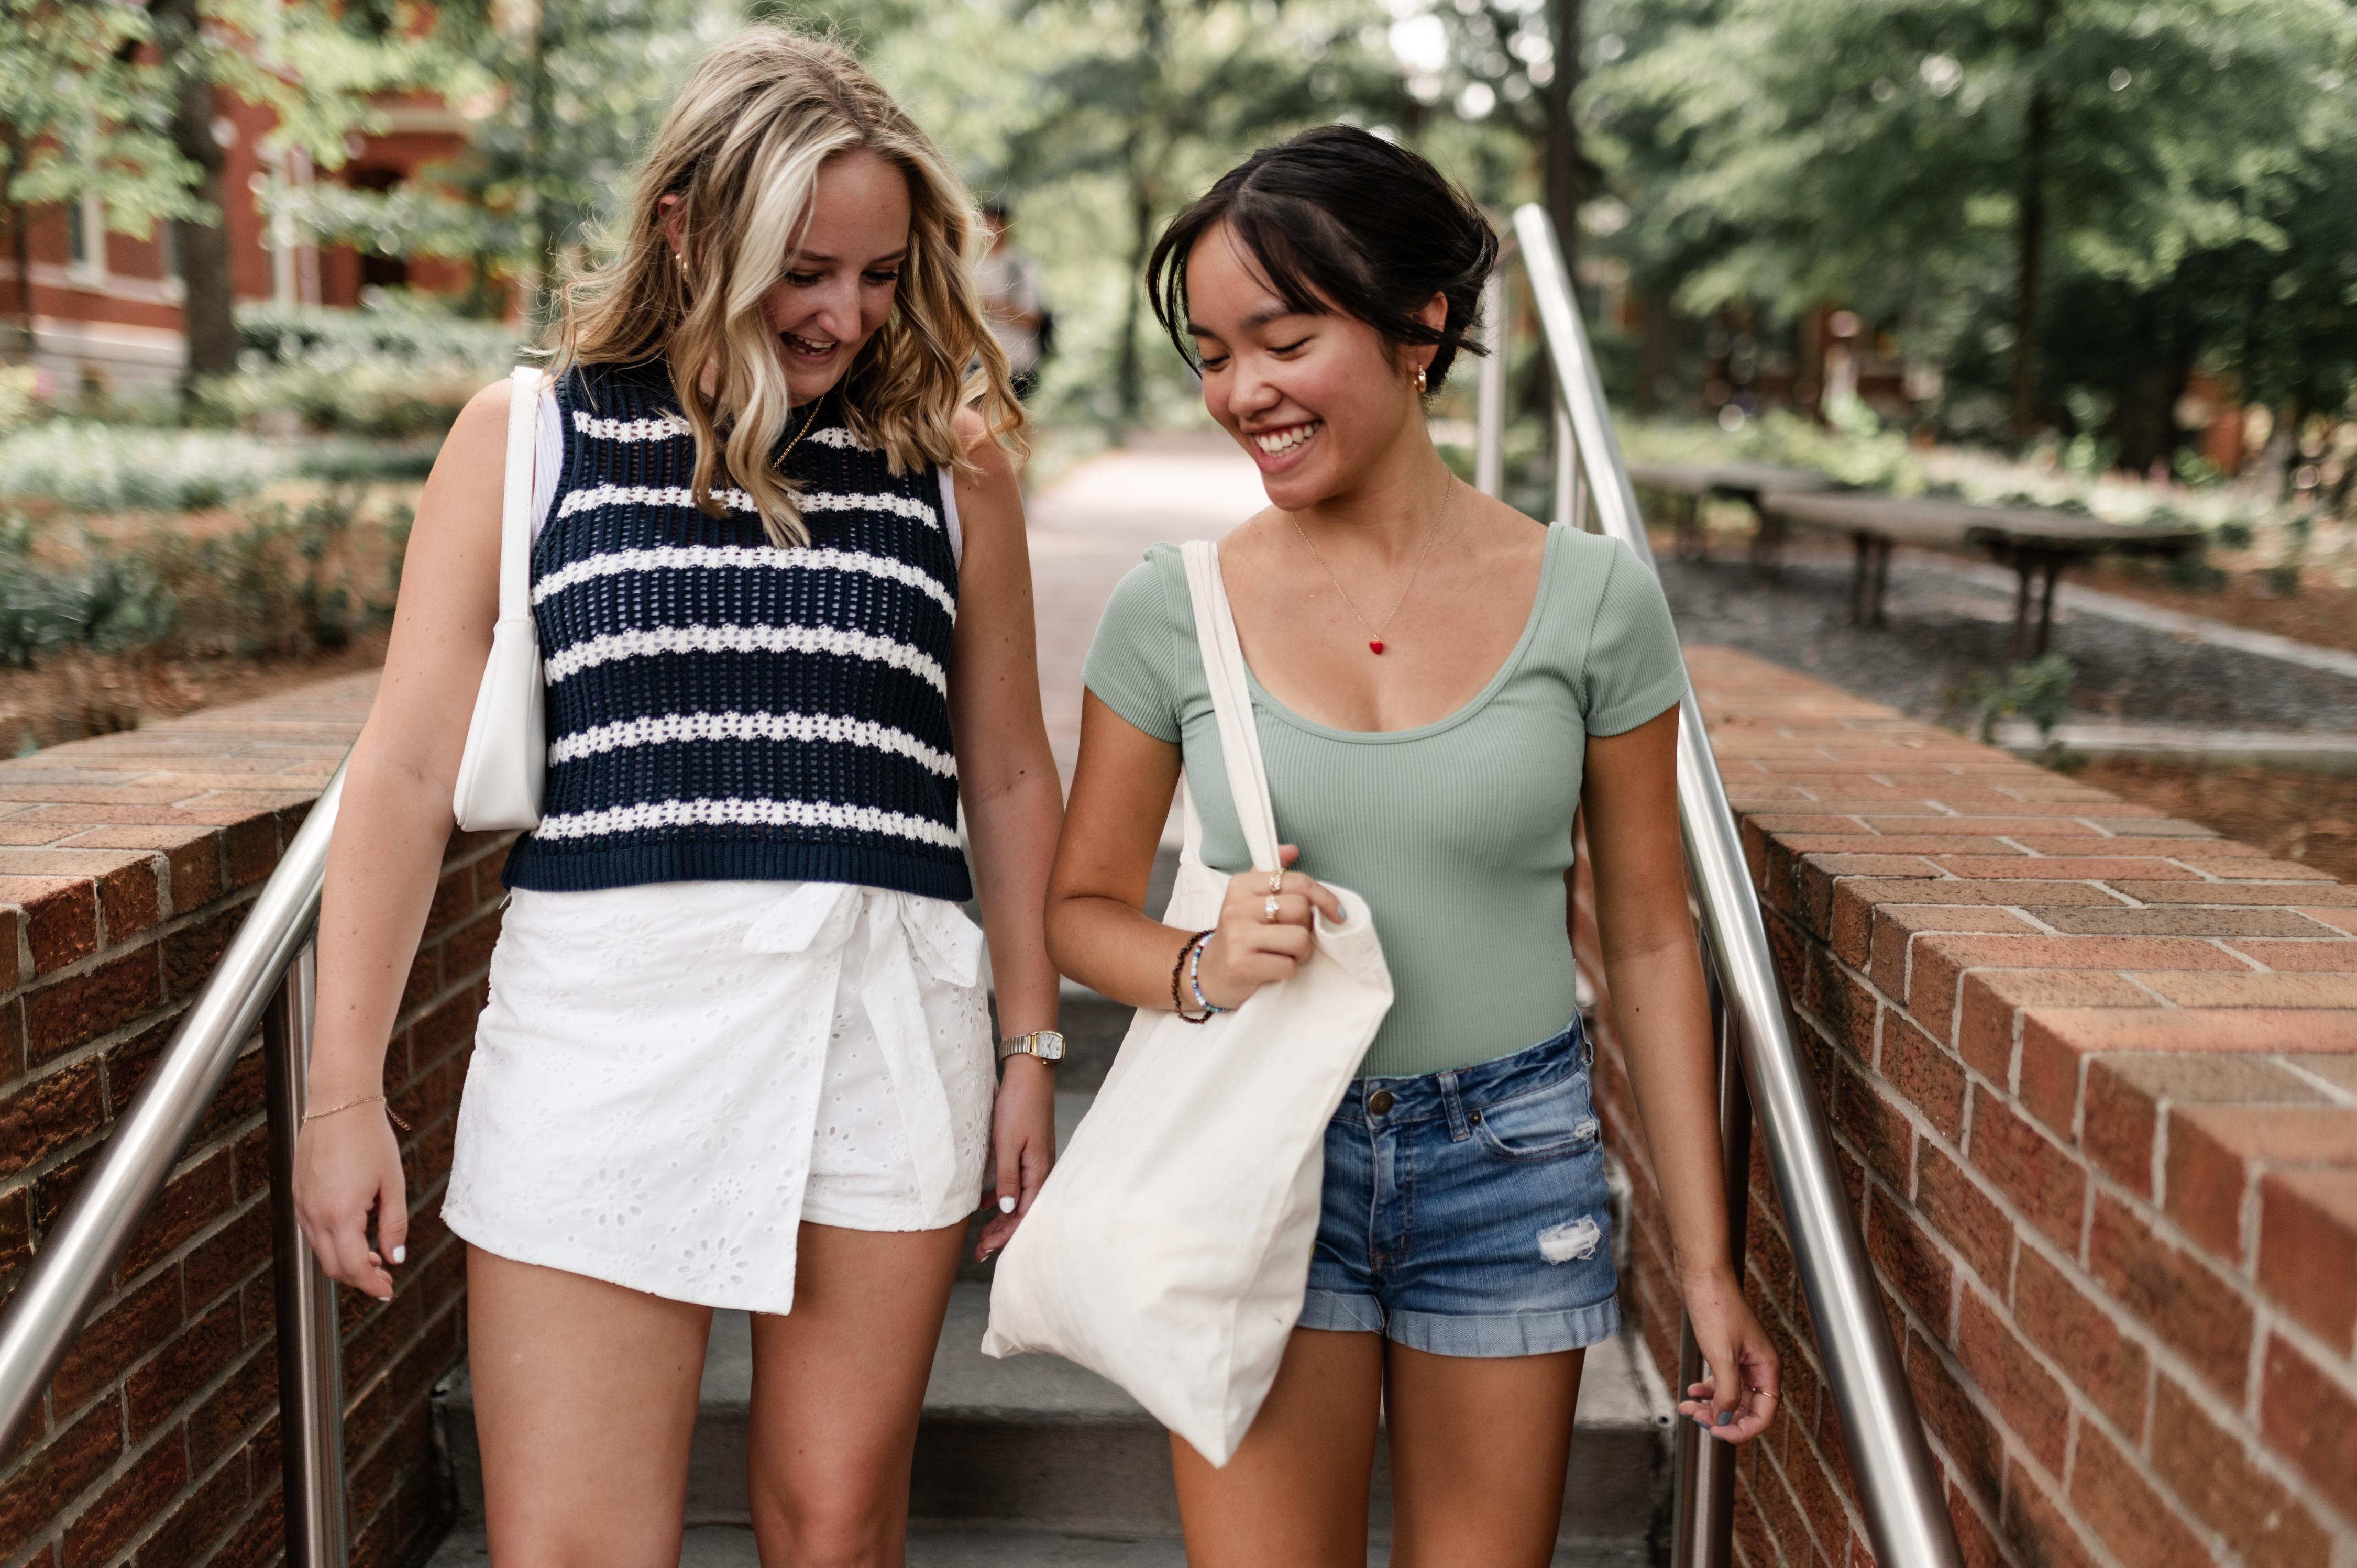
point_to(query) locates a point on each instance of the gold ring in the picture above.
(1268, 911)
(1277, 882)
(1764, 1393)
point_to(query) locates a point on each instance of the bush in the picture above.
(91, 467)
(288, 581)
(107, 603)
(394, 369)
(2040, 692)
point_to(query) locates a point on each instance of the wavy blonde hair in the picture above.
(741, 148)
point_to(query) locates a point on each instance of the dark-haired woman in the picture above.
(1438, 684)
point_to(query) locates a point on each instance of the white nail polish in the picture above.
(401, 1254)
(1006, 1205)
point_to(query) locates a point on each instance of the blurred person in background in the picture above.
(1008, 282)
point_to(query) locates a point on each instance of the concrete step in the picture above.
(1035, 1442)
(975, 1546)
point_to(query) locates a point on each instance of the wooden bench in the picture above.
(1689, 484)
(2033, 542)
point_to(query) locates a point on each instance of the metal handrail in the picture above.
(264, 978)
(1899, 1490)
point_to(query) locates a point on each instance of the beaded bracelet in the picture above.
(1189, 963)
(1178, 1003)
(1195, 980)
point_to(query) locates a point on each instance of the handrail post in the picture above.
(310, 1351)
(1568, 510)
(1899, 1490)
(1490, 406)
(1703, 1520)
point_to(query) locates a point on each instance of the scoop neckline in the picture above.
(1473, 704)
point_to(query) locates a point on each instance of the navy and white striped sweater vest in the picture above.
(723, 710)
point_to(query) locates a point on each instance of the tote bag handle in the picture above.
(1231, 683)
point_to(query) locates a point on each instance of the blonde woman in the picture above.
(736, 1052)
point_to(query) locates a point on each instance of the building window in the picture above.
(86, 238)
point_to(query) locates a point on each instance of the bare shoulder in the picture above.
(981, 448)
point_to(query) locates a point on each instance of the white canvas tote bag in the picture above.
(506, 761)
(1169, 1249)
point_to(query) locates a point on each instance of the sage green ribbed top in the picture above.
(1457, 834)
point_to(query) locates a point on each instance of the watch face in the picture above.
(1050, 1045)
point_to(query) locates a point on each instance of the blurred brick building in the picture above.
(107, 307)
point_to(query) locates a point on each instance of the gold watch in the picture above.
(1045, 1044)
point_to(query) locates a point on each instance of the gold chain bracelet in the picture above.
(391, 1115)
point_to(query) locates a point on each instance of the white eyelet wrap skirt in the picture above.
(668, 1080)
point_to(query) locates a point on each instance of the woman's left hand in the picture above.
(1022, 1144)
(1737, 1398)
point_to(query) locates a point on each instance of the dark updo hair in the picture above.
(1341, 213)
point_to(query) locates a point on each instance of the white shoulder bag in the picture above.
(506, 761)
(1169, 1249)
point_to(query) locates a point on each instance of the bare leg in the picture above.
(585, 1398)
(1294, 1495)
(838, 1384)
(1478, 1449)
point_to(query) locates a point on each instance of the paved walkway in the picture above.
(1093, 524)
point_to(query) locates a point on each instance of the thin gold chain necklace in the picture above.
(808, 420)
(1374, 632)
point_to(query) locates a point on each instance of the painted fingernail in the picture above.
(1726, 1418)
(1006, 1206)
(401, 1254)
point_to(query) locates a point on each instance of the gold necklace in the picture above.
(808, 420)
(1376, 633)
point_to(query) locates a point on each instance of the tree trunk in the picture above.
(1660, 347)
(2030, 242)
(1567, 171)
(1130, 377)
(538, 308)
(208, 308)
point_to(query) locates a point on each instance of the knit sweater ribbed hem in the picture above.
(636, 865)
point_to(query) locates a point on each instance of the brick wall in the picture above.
(2093, 1078)
(126, 863)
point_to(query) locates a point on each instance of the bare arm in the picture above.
(1663, 1012)
(1097, 926)
(390, 833)
(1013, 806)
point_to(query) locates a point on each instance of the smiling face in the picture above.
(1318, 401)
(837, 289)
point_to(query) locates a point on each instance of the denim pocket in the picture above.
(1545, 1124)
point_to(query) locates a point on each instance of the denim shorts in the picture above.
(1466, 1212)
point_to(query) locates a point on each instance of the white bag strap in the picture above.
(1223, 667)
(515, 505)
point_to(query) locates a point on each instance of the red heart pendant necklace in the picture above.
(1374, 632)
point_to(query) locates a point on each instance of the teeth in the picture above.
(1277, 442)
(806, 346)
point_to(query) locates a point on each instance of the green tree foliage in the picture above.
(1098, 119)
(316, 66)
(562, 96)
(1926, 160)
(78, 115)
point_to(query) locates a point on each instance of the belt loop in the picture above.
(1459, 1131)
(1586, 1043)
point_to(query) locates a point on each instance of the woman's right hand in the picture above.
(1255, 946)
(347, 1166)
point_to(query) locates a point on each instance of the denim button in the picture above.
(1379, 1102)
